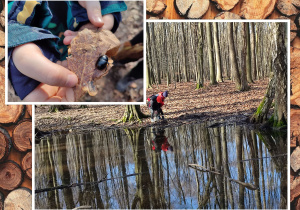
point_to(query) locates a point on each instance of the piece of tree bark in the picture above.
(286, 7)
(29, 109)
(22, 136)
(227, 16)
(257, 9)
(8, 113)
(225, 4)
(155, 7)
(11, 175)
(18, 199)
(5, 144)
(27, 164)
(193, 9)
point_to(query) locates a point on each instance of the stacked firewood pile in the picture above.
(15, 156)
(15, 144)
(295, 103)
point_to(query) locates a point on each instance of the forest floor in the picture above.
(184, 105)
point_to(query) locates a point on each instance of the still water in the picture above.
(158, 162)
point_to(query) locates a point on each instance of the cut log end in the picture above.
(192, 9)
(27, 164)
(155, 7)
(287, 8)
(5, 144)
(11, 175)
(225, 4)
(18, 199)
(259, 9)
(22, 136)
(227, 16)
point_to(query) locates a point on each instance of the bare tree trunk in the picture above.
(248, 55)
(133, 113)
(210, 55)
(280, 70)
(233, 60)
(253, 54)
(243, 63)
(217, 52)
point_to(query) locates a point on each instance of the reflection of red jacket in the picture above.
(164, 146)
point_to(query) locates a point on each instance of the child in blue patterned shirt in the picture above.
(38, 32)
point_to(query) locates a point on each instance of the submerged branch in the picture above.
(79, 184)
(247, 185)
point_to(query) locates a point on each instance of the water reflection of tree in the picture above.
(166, 181)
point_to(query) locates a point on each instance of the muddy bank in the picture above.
(183, 106)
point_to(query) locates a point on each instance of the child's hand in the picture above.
(93, 9)
(56, 81)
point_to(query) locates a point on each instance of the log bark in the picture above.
(29, 109)
(18, 199)
(5, 144)
(227, 16)
(287, 8)
(155, 7)
(11, 175)
(22, 136)
(225, 4)
(257, 9)
(27, 164)
(193, 9)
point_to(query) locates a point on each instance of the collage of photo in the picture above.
(150, 104)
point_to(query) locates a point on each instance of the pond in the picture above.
(150, 168)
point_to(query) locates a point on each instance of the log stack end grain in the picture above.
(18, 199)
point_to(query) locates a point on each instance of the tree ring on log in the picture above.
(27, 164)
(225, 5)
(22, 136)
(5, 144)
(287, 8)
(11, 175)
(227, 16)
(155, 7)
(20, 198)
(192, 9)
(259, 9)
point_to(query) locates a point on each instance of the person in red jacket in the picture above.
(155, 102)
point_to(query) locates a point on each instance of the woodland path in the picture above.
(184, 105)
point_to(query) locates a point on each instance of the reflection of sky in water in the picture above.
(99, 154)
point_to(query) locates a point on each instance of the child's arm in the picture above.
(56, 81)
